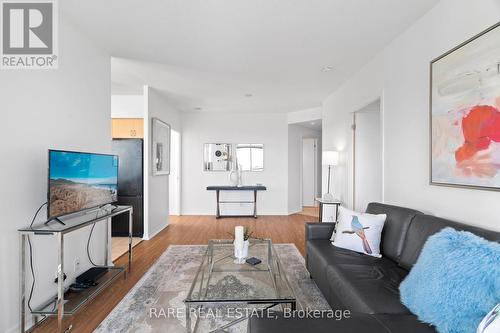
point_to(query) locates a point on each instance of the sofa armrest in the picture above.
(319, 230)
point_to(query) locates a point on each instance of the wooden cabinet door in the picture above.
(127, 128)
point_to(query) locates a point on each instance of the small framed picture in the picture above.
(160, 155)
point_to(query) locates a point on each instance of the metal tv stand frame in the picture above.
(66, 303)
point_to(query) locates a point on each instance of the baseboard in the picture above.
(150, 236)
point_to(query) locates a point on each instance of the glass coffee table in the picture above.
(237, 289)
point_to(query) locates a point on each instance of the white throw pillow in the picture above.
(359, 232)
(490, 323)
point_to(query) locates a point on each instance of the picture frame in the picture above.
(464, 114)
(160, 154)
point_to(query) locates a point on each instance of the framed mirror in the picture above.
(250, 156)
(217, 157)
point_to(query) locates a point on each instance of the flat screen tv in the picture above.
(80, 181)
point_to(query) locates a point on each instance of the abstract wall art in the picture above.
(465, 114)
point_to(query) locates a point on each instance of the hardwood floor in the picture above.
(310, 211)
(182, 230)
(119, 246)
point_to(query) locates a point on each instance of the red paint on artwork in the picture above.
(480, 127)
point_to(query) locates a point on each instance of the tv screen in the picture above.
(79, 181)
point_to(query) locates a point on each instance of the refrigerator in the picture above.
(130, 186)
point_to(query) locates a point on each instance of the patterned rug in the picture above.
(155, 304)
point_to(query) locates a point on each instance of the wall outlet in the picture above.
(76, 265)
(56, 279)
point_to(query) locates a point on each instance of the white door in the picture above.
(308, 171)
(368, 157)
(174, 188)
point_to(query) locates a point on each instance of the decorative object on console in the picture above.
(465, 114)
(161, 147)
(235, 178)
(217, 156)
(331, 159)
(454, 282)
(359, 232)
(490, 323)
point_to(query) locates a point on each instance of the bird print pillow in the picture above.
(359, 232)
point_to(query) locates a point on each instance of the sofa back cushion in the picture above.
(424, 226)
(396, 226)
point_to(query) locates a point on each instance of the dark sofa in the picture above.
(367, 286)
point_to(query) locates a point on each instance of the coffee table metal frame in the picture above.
(207, 267)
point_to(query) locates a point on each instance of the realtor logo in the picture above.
(29, 39)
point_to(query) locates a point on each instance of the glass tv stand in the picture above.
(66, 302)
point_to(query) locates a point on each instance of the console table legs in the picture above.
(217, 196)
(255, 204)
(60, 283)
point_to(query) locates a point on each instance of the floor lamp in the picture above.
(330, 158)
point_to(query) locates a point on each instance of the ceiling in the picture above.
(241, 55)
(315, 125)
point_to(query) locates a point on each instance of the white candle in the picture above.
(238, 236)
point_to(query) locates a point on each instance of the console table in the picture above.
(67, 303)
(252, 188)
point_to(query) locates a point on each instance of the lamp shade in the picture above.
(330, 157)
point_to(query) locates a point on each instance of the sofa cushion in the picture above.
(424, 226)
(372, 289)
(353, 281)
(395, 228)
(404, 323)
(321, 254)
(358, 322)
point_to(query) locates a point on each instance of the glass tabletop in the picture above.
(76, 221)
(221, 279)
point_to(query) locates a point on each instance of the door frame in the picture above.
(178, 164)
(315, 168)
(380, 99)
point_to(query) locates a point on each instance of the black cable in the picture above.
(90, 237)
(36, 214)
(32, 275)
(31, 257)
(88, 244)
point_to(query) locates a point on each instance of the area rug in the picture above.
(155, 304)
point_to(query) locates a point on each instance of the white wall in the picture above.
(304, 115)
(295, 135)
(201, 128)
(400, 76)
(67, 108)
(157, 187)
(368, 152)
(127, 106)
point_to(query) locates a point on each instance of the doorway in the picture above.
(174, 180)
(368, 162)
(309, 172)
